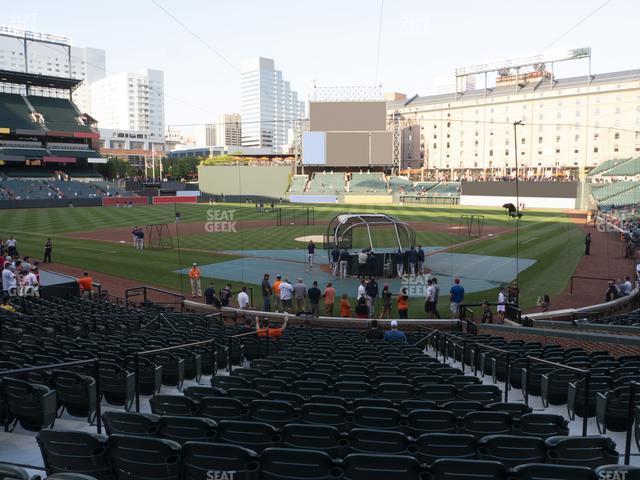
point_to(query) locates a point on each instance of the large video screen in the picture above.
(347, 116)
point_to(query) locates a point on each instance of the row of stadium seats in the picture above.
(427, 447)
(429, 457)
(368, 182)
(14, 189)
(59, 114)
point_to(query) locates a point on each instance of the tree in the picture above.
(116, 168)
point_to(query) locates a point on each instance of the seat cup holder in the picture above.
(276, 439)
(483, 451)
(412, 449)
(296, 415)
(336, 472)
(349, 419)
(152, 430)
(173, 459)
(403, 423)
(552, 454)
(252, 466)
(460, 425)
(343, 443)
(99, 451)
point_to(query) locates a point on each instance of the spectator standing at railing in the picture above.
(501, 308)
(225, 295)
(9, 282)
(267, 291)
(300, 295)
(276, 292)
(329, 299)
(456, 297)
(243, 299)
(85, 283)
(314, 295)
(286, 295)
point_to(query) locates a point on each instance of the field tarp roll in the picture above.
(174, 199)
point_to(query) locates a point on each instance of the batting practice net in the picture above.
(159, 235)
(295, 216)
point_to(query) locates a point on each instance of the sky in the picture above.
(331, 43)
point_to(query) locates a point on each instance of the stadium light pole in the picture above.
(518, 214)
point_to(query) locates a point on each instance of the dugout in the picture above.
(378, 232)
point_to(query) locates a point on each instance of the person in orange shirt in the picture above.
(345, 306)
(85, 283)
(329, 299)
(273, 332)
(403, 304)
(276, 292)
(194, 275)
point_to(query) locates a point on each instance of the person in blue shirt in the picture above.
(456, 297)
(395, 335)
(412, 257)
(420, 260)
(311, 250)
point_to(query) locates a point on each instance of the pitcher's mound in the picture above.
(310, 238)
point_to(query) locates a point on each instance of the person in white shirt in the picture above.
(501, 308)
(430, 303)
(362, 291)
(9, 282)
(628, 286)
(243, 298)
(12, 244)
(286, 294)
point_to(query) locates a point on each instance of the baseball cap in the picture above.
(278, 276)
(194, 264)
(394, 323)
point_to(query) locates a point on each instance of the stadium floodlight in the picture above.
(539, 59)
(36, 36)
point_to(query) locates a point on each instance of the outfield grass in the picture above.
(548, 237)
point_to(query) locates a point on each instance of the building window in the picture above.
(577, 137)
(523, 141)
(539, 139)
(557, 138)
(557, 150)
(435, 145)
(575, 150)
(616, 135)
(616, 148)
(595, 149)
(491, 153)
(596, 136)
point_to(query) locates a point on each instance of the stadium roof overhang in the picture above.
(34, 80)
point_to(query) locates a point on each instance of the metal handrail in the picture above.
(633, 385)
(137, 356)
(54, 366)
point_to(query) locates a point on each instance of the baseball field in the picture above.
(237, 243)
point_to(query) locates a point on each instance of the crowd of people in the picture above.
(20, 276)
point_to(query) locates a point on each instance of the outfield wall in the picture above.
(532, 194)
(271, 181)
